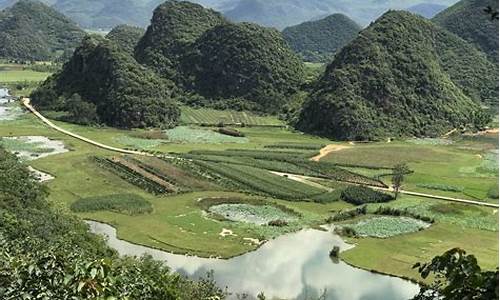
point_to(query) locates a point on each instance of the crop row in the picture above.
(131, 176)
(298, 146)
(262, 181)
(286, 162)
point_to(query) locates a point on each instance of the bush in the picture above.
(278, 223)
(129, 204)
(360, 195)
(230, 132)
(347, 214)
(388, 211)
(346, 231)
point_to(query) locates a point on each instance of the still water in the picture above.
(293, 266)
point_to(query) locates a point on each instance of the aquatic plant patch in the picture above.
(430, 141)
(138, 143)
(247, 213)
(384, 227)
(185, 134)
(129, 204)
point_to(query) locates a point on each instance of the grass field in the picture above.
(213, 117)
(468, 166)
(15, 73)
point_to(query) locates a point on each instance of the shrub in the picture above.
(441, 187)
(278, 223)
(388, 211)
(360, 195)
(129, 204)
(347, 214)
(346, 231)
(230, 132)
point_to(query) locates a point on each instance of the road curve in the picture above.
(26, 103)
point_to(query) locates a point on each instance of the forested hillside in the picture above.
(47, 254)
(468, 20)
(30, 30)
(414, 79)
(174, 28)
(245, 63)
(317, 41)
(126, 37)
(242, 66)
(103, 84)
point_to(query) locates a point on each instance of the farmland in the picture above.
(212, 117)
(172, 204)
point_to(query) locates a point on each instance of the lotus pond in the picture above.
(384, 227)
(255, 214)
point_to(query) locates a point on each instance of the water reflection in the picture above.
(294, 266)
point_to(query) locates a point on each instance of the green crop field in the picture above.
(228, 117)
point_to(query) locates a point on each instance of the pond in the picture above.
(9, 110)
(293, 266)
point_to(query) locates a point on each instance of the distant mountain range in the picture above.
(427, 10)
(105, 14)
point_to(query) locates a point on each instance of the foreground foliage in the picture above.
(457, 276)
(46, 254)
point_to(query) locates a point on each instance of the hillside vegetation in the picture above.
(103, 84)
(126, 37)
(317, 41)
(244, 62)
(224, 65)
(468, 20)
(403, 76)
(175, 26)
(30, 30)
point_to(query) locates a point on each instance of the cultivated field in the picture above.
(213, 117)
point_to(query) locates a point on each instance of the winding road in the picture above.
(304, 179)
(26, 103)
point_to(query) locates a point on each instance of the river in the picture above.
(293, 266)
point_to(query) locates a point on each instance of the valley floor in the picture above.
(179, 220)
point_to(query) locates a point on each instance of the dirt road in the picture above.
(327, 150)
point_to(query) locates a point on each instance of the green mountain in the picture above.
(30, 30)
(403, 76)
(126, 37)
(468, 20)
(103, 84)
(246, 63)
(317, 41)
(174, 28)
(229, 65)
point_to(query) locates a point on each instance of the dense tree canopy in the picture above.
(126, 37)
(403, 76)
(46, 254)
(174, 28)
(30, 30)
(468, 20)
(244, 61)
(124, 93)
(317, 41)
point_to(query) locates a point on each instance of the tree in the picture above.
(81, 112)
(457, 276)
(400, 171)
